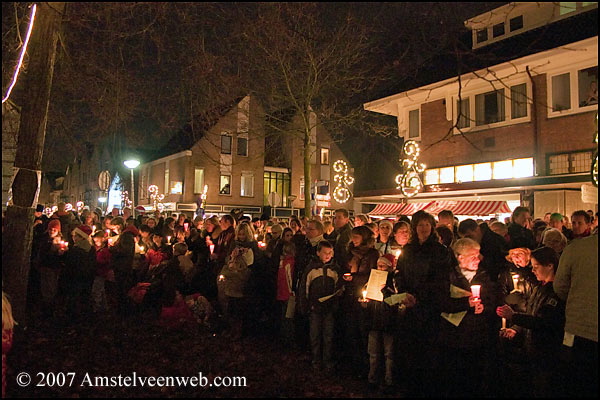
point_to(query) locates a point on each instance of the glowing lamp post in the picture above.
(132, 164)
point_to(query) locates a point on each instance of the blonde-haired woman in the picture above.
(234, 276)
(8, 323)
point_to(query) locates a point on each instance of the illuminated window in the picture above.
(523, 167)
(482, 172)
(225, 184)
(324, 156)
(247, 189)
(198, 180)
(588, 86)
(503, 169)
(464, 173)
(432, 176)
(447, 175)
(176, 187)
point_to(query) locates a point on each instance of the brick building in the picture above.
(519, 131)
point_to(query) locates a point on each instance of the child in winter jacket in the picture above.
(285, 273)
(319, 289)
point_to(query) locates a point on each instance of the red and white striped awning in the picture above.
(463, 207)
(393, 209)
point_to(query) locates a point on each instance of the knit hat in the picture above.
(387, 259)
(54, 223)
(84, 231)
(140, 210)
(39, 208)
(386, 222)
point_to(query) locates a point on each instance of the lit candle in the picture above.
(256, 236)
(212, 248)
(169, 239)
(93, 229)
(221, 278)
(398, 252)
(515, 279)
(364, 298)
(475, 290)
(108, 232)
(503, 323)
(186, 226)
(347, 276)
(141, 249)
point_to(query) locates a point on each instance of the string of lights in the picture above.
(23, 51)
(410, 182)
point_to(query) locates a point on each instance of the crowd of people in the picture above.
(476, 308)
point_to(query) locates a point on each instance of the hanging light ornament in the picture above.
(203, 197)
(410, 182)
(342, 193)
(80, 206)
(156, 197)
(125, 199)
(68, 207)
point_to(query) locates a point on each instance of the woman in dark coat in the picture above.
(122, 254)
(541, 325)
(423, 271)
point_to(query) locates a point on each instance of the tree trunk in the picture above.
(307, 177)
(17, 235)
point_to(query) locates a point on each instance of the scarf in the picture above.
(468, 274)
(315, 241)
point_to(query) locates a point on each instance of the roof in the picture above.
(446, 64)
(186, 137)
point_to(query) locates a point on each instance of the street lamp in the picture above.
(132, 164)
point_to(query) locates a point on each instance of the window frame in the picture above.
(510, 23)
(574, 108)
(324, 150)
(230, 143)
(203, 180)
(407, 119)
(501, 24)
(237, 143)
(508, 119)
(242, 175)
(569, 154)
(220, 188)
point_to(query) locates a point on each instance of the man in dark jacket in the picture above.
(520, 234)
(342, 233)
(493, 247)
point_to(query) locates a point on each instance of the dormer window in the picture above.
(498, 30)
(516, 23)
(482, 35)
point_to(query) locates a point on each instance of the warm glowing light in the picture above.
(342, 193)
(23, 51)
(476, 291)
(131, 164)
(211, 248)
(156, 197)
(410, 182)
(203, 197)
(68, 207)
(80, 205)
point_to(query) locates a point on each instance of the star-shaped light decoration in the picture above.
(410, 181)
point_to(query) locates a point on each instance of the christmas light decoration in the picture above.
(23, 51)
(125, 199)
(342, 193)
(410, 181)
(48, 211)
(203, 197)
(68, 207)
(156, 197)
(80, 206)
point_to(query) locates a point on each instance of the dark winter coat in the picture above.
(48, 256)
(380, 316)
(473, 331)
(543, 323)
(341, 253)
(319, 280)
(520, 237)
(80, 267)
(517, 297)
(365, 258)
(424, 271)
(224, 245)
(494, 251)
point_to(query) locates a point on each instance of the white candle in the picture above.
(503, 323)
(212, 248)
